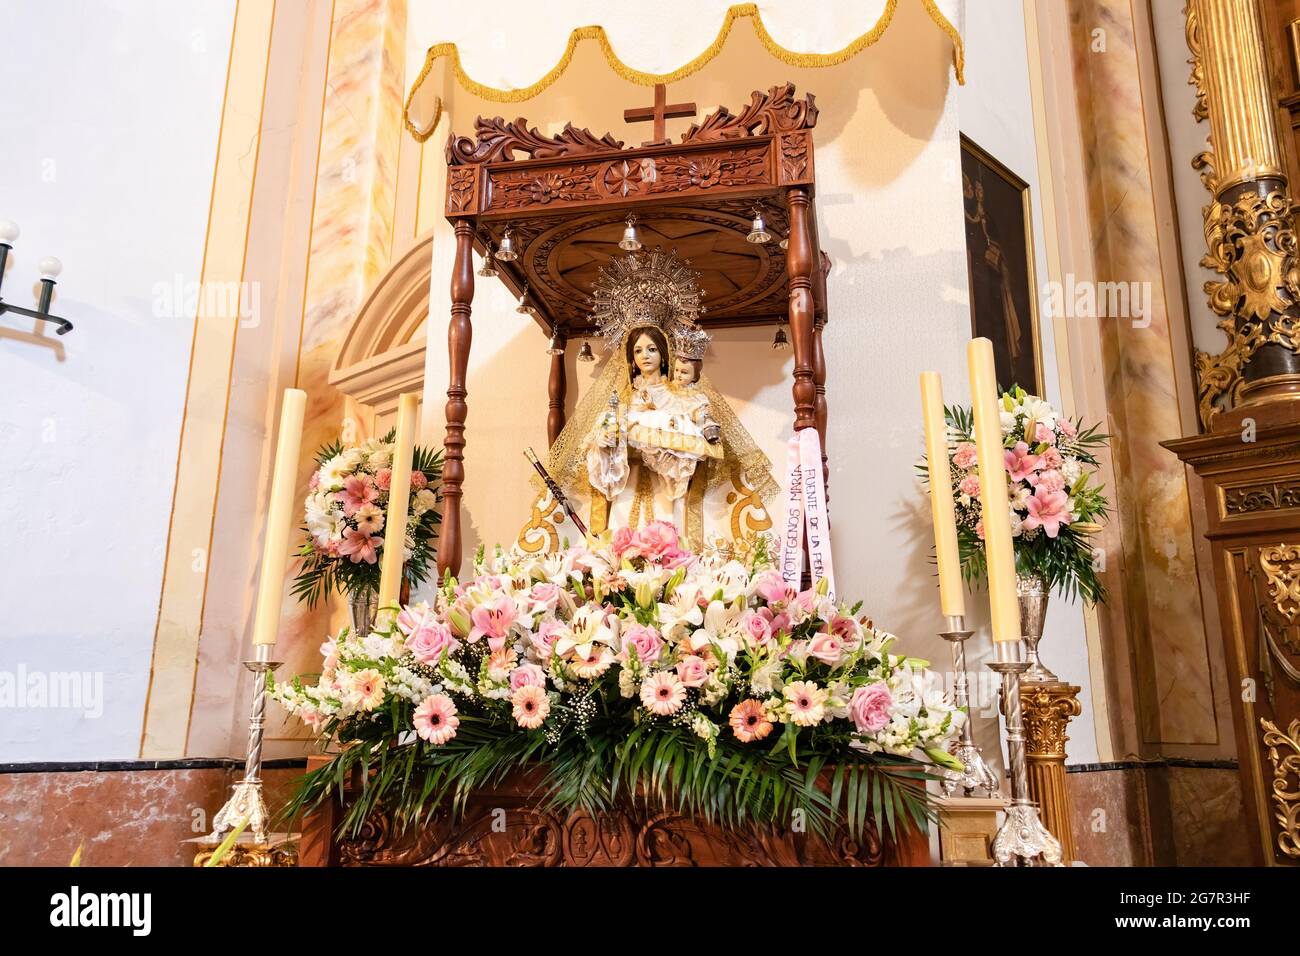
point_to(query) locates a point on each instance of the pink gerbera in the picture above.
(531, 705)
(806, 702)
(435, 719)
(749, 721)
(663, 693)
(368, 685)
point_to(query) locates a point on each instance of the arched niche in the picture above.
(382, 354)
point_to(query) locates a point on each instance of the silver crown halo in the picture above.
(652, 288)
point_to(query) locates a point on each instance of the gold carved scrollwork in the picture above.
(1284, 755)
(1252, 244)
(1197, 79)
(1281, 567)
(749, 516)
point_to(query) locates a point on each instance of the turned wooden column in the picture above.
(1046, 709)
(459, 334)
(799, 263)
(556, 389)
(819, 412)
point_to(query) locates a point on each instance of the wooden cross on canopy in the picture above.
(659, 112)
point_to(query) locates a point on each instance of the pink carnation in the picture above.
(1052, 458)
(418, 480)
(657, 539)
(384, 479)
(970, 486)
(1067, 428)
(1044, 434)
(1050, 481)
(965, 455)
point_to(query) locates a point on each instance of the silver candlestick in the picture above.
(246, 803)
(977, 774)
(1023, 840)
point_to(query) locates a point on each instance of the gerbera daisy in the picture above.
(749, 721)
(531, 706)
(368, 685)
(370, 519)
(806, 702)
(663, 693)
(435, 720)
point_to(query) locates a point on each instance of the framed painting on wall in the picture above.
(1000, 266)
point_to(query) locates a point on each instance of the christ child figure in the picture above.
(691, 402)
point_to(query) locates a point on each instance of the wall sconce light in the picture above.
(50, 268)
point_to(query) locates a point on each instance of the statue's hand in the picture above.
(712, 433)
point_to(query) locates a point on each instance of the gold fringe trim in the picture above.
(739, 11)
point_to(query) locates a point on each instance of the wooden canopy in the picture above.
(565, 199)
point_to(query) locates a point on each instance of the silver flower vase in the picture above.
(363, 605)
(1032, 592)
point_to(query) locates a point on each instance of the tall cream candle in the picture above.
(942, 511)
(994, 500)
(280, 518)
(399, 500)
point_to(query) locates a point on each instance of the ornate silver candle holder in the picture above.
(977, 774)
(1022, 840)
(246, 803)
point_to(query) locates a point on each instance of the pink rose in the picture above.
(548, 632)
(827, 648)
(545, 597)
(757, 628)
(675, 558)
(384, 478)
(656, 539)
(527, 675)
(965, 456)
(869, 708)
(970, 486)
(771, 587)
(418, 480)
(691, 671)
(430, 641)
(645, 640)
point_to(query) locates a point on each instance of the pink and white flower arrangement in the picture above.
(626, 632)
(344, 515)
(1054, 501)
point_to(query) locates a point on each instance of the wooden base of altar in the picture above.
(502, 826)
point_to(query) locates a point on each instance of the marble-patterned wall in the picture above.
(122, 817)
(1159, 814)
(351, 241)
(1147, 370)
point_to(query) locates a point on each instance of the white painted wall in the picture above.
(994, 109)
(109, 121)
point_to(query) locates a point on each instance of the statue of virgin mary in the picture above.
(652, 439)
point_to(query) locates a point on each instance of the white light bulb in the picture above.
(49, 267)
(8, 231)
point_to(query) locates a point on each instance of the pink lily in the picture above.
(493, 620)
(358, 491)
(1048, 510)
(360, 547)
(1021, 464)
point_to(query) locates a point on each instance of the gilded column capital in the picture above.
(1249, 233)
(1047, 709)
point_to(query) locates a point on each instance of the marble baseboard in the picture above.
(1175, 813)
(123, 814)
